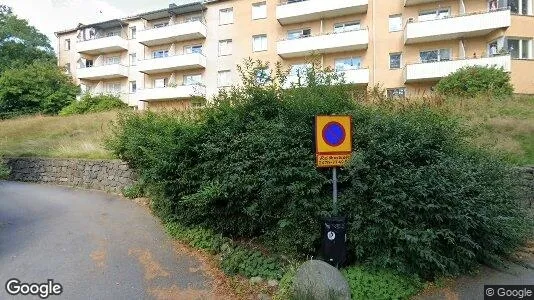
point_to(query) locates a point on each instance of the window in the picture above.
(226, 16)
(113, 87)
(522, 7)
(259, 43)
(351, 63)
(348, 26)
(223, 78)
(396, 93)
(225, 47)
(89, 63)
(67, 68)
(259, 10)
(395, 60)
(113, 33)
(395, 23)
(520, 48)
(192, 18)
(434, 14)
(133, 59)
(160, 25)
(192, 79)
(435, 55)
(133, 86)
(133, 32)
(161, 82)
(160, 53)
(193, 49)
(113, 60)
(262, 75)
(298, 34)
(67, 44)
(299, 69)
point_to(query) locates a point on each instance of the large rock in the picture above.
(317, 280)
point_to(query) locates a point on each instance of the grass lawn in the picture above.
(77, 136)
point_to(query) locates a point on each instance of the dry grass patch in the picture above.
(76, 136)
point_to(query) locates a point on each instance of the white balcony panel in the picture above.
(170, 93)
(328, 43)
(172, 63)
(172, 33)
(102, 72)
(456, 27)
(318, 9)
(359, 76)
(437, 70)
(102, 45)
(417, 2)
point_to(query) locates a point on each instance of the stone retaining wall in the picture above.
(106, 175)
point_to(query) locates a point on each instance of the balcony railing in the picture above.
(171, 93)
(172, 33)
(324, 43)
(289, 12)
(433, 71)
(172, 63)
(102, 72)
(102, 44)
(467, 25)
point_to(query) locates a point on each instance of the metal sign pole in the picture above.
(334, 190)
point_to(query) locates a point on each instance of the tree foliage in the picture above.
(40, 87)
(21, 43)
(470, 82)
(418, 199)
(90, 103)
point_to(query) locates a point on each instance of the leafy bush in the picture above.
(380, 284)
(89, 104)
(133, 191)
(285, 290)
(417, 198)
(40, 87)
(470, 82)
(4, 170)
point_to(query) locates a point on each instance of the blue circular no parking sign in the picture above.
(334, 134)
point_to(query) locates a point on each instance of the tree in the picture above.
(40, 87)
(21, 43)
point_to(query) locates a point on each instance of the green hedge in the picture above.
(470, 82)
(90, 104)
(418, 199)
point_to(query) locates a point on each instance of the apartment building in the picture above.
(166, 58)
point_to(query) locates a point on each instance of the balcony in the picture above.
(327, 43)
(102, 45)
(479, 24)
(172, 63)
(102, 72)
(357, 76)
(173, 33)
(290, 12)
(170, 93)
(434, 71)
(417, 2)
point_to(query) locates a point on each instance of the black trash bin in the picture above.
(334, 241)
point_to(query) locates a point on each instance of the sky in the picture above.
(49, 16)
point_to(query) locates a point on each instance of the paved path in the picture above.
(98, 246)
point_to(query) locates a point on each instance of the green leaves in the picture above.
(470, 82)
(89, 104)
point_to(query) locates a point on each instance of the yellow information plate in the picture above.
(333, 140)
(331, 160)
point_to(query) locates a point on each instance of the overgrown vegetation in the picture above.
(90, 104)
(4, 170)
(419, 199)
(475, 81)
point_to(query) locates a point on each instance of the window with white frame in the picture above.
(225, 47)
(192, 79)
(161, 82)
(259, 43)
(133, 59)
(259, 10)
(395, 60)
(133, 32)
(67, 44)
(133, 86)
(298, 33)
(434, 14)
(350, 63)
(396, 93)
(262, 75)
(193, 49)
(519, 48)
(223, 78)
(113, 87)
(113, 60)
(395, 23)
(347, 26)
(160, 53)
(521, 7)
(299, 69)
(226, 16)
(67, 68)
(435, 55)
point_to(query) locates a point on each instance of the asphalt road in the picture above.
(96, 245)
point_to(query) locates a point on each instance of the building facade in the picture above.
(164, 58)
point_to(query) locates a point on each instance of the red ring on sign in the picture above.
(327, 136)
